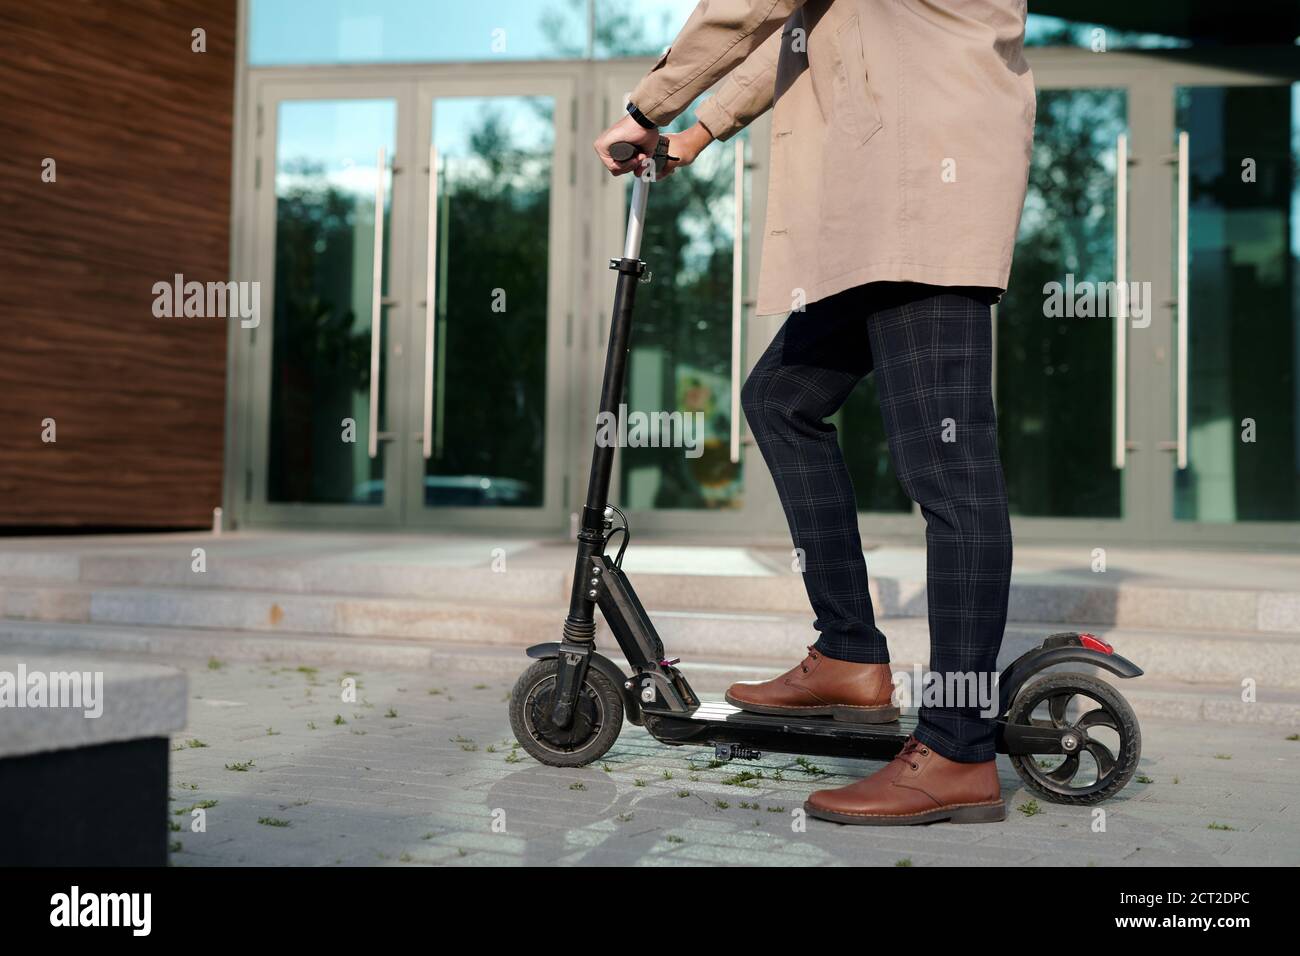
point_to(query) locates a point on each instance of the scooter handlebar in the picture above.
(626, 152)
(623, 152)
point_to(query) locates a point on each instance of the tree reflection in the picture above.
(1055, 375)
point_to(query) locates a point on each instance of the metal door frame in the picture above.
(560, 86)
(1236, 68)
(252, 352)
(1151, 78)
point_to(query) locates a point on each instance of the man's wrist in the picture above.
(641, 119)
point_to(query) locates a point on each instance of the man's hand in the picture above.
(684, 146)
(626, 130)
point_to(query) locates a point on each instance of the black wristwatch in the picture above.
(640, 117)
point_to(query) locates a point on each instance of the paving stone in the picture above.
(422, 788)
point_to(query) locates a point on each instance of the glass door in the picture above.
(330, 222)
(1233, 429)
(410, 371)
(1163, 409)
(1060, 356)
(494, 195)
(685, 460)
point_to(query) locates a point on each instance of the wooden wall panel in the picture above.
(140, 128)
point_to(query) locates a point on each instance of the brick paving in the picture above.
(422, 770)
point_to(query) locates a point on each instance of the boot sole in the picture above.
(882, 714)
(976, 813)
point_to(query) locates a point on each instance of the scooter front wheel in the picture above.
(597, 717)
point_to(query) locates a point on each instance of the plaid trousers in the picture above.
(930, 350)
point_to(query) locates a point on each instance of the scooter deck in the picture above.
(716, 722)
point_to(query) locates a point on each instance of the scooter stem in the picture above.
(579, 626)
(640, 190)
(636, 218)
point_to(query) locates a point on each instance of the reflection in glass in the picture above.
(630, 28)
(1042, 30)
(325, 178)
(289, 32)
(1055, 376)
(489, 400)
(1243, 304)
(299, 32)
(681, 340)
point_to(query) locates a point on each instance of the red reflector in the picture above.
(1095, 643)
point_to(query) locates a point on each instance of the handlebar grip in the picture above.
(625, 152)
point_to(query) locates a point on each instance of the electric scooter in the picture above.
(567, 709)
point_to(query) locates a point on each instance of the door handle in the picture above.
(430, 303)
(1121, 285)
(737, 293)
(1180, 445)
(377, 303)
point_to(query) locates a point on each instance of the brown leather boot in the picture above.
(822, 687)
(918, 786)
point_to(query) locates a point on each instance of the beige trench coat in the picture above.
(900, 137)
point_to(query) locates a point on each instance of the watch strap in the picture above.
(642, 120)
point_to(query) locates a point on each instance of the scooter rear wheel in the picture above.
(1110, 743)
(597, 718)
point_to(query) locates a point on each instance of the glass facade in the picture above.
(516, 323)
(1041, 30)
(299, 32)
(623, 29)
(322, 32)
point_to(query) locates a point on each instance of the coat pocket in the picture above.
(778, 186)
(854, 108)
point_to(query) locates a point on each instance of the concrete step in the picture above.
(1271, 660)
(349, 578)
(1150, 698)
(1175, 655)
(514, 573)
